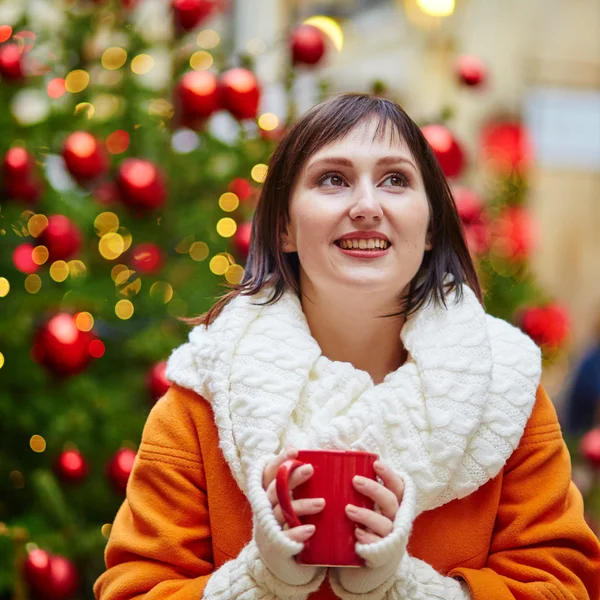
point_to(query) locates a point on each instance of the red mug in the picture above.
(332, 544)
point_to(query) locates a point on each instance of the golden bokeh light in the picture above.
(259, 172)
(329, 27)
(226, 227)
(117, 270)
(234, 274)
(111, 246)
(106, 106)
(122, 275)
(39, 255)
(37, 224)
(229, 202)
(76, 81)
(33, 283)
(37, 443)
(105, 530)
(84, 321)
(85, 108)
(4, 287)
(124, 309)
(219, 264)
(185, 244)
(142, 64)
(59, 270)
(199, 251)
(127, 238)
(17, 479)
(437, 8)
(1, 360)
(117, 142)
(201, 60)
(268, 121)
(106, 222)
(207, 39)
(161, 108)
(130, 289)
(161, 291)
(113, 58)
(77, 269)
(256, 46)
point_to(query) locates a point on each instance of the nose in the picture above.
(365, 204)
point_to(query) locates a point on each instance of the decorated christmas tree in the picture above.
(131, 165)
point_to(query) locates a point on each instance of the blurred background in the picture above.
(134, 137)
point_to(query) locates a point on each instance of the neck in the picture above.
(352, 330)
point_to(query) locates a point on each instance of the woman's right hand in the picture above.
(305, 506)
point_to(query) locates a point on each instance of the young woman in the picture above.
(359, 325)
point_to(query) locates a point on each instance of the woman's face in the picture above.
(355, 186)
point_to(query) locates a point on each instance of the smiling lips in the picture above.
(363, 244)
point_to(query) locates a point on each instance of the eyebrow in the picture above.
(344, 162)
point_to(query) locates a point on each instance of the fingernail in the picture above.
(379, 467)
(351, 509)
(318, 502)
(309, 528)
(360, 481)
(305, 469)
(359, 532)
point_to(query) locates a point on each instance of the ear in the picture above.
(287, 243)
(428, 242)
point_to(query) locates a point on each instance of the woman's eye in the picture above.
(336, 180)
(398, 180)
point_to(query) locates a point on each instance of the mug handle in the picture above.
(284, 471)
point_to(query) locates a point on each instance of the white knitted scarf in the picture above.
(449, 417)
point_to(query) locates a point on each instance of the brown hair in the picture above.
(324, 123)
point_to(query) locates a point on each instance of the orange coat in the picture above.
(521, 535)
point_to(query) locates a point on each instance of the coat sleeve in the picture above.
(541, 546)
(160, 543)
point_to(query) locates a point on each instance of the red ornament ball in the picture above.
(589, 447)
(120, 467)
(62, 238)
(240, 93)
(157, 381)
(190, 13)
(11, 62)
(107, 193)
(84, 156)
(241, 239)
(61, 347)
(23, 259)
(507, 146)
(18, 163)
(71, 466)
(141, 184)
(147, 258)
(49, 576)
(514, 234)
(471, 71)
(307, 44)
(28, 191)
(547, 325)
(446, 148)
(197, 95)
(241, 187)
(470, 208)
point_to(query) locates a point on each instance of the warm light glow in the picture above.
(40, 255)
(161, 108)
(117, 142)
(76, 81)
(111, 246)
(84, 321)
(161, 291)
(185, 244)
(82, 144)
(59, 270)
(229, 202)
(117, 270)
(4, 287)
(329, 27)
(1, 360)
(226, 227)
(56, 87)
(199, 251)
(201, 60)
(5, 32)
(219, 264)
(208, 38)
(62, 327)
(141, 173)
(123, 275)
(259, 172)
(37, 224)
(268, 121)
(437, 8)
(142, 64)
(33, 283)
(105, 530)
(85, 107)
(37, 443)
(96, 349)
(106, 105)
(22, 259)
(76, 268)
(127, 238)
(234, 274)
(124, 309)
(16, 158)
(114, 58)
(106, 222)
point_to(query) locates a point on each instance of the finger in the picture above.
(378, 524)
(391, 481)
(300, 534)
(386, 499)
(271, 469)
(365, 537)
(300, 475)
(306, 506)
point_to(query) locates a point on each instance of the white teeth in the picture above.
(364, 244)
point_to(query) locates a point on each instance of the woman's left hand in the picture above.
(387, 497)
